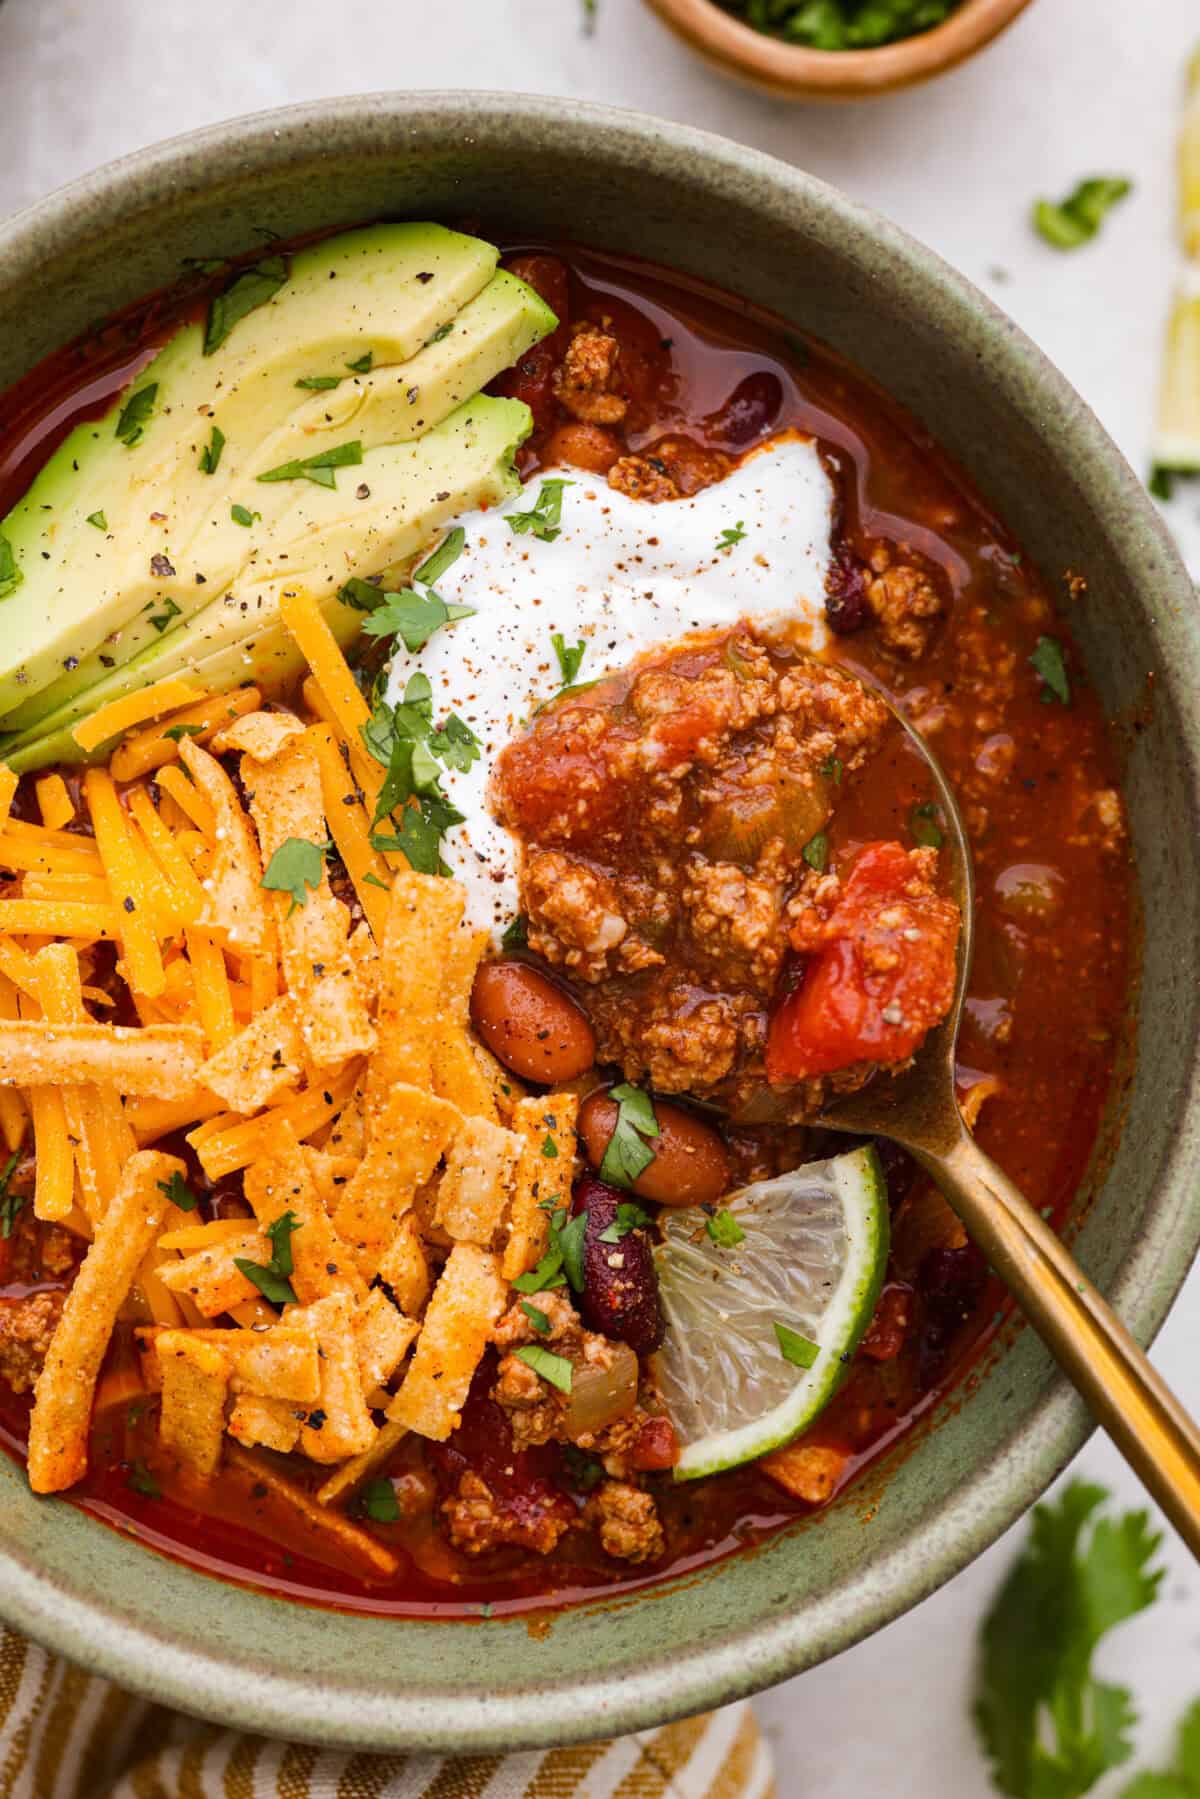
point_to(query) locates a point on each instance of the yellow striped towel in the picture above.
(65, 1734)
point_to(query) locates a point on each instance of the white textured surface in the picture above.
(1078, 87)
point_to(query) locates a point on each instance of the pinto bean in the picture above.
(620, 1285)
(588, 447)
(530, 1024)
(690, 1166)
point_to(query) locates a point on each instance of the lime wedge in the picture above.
(742, 1322)
(1189, 163)
(1177, 431)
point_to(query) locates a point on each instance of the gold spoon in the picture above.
(918, 1109)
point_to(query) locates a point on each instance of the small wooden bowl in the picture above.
(793, 72)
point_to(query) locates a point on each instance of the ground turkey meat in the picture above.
(672, 469)
(478, 1522)
(663, 817)
(584, 380)
(627, 1522)
(905, 601)
(26, 1327)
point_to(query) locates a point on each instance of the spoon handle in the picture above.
(1154, 1433)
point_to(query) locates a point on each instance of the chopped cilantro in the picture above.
(362, 364)
(549, 1148)
(536, 1317)
(730, 535)
(444, 557)
(98, 520)
(241, 515)
(833, 769)
(245, 295)
(628, 1154)
(378, 1502)
(1066, 224)
(413, 617)
(724, 1230)
(547, 1274)
(544, 518)
(210, 456)
(364, 596)
(816, 852)
(319, 383)
(583, 1471)
(1162, 481)
(177, 1192)
(11, 572)
(295, 867)
(320, 468)
(553, 1368)
(630, 1217)
(569, 657)
(1048, 1726)
(420, 836)
(135, 415)
(923, 823)
(160, 620)
(569, 1235)
(10, 1203)
(371, 880)
(441, 332)
(175, 732)
(456, 744)
(516, 933)
(273, 1278)
(140, 1480)
(800, 1351)
(1048, 661)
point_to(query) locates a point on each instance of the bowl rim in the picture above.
(669, 1684)
(797, 69)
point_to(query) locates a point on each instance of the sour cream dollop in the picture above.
(622, 577)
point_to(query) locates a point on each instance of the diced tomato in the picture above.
(656, 1446)
(889, 1327)
(881, 973)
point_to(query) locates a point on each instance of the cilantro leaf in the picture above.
(816, 852)
(800, 1351)
(364, 596)
(140, 1480)
(516, 932)
(1048, 661)
(413, 617)
(319, 383)
(135, 415)
(569, 657)
(583, 1471)
(553, 1368)
(177, 1192)
(456, 744)
(630, 1217)
(280, 1234)
(724, 1230)
(923, 823)
(296, 866)
(1066, 224)
(536, 1317)
(833, 768)
(569, 1234)
(176, 732)
(11, 572)
(444, 557)
(378, 1502)
(319, 468)
(1047, 1725)
(273, 1278)
(242, 515)
(245, 295)
(362, 364)
(1161, 481)
(730, 535)
(547, 1274)
(544, 518)
(628, 1154)
(10, 1203)
(98, 520)
(419, 838)
(1182, 1781)
(210, 456)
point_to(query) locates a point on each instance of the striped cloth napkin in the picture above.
(65, 1734)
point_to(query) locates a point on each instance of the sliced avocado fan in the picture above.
(144, 519)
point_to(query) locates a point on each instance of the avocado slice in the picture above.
(390, 405)
(372, 298)
(326, 537)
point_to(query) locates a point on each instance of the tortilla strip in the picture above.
(457, 1074)
(405, 1143)
(404, 1268)
(280, 1363)
(273, 1423)
(423, 910)
(58, 1427)
(210, 1278)
(195, 1382)
(467, 1301)
(286, 802)
(159, 1061)
(339, 1425)
(382, 1338)
(224, 1143)
(321, 1262)
(262, 735)
(347, 1538)
(261, 1062)
(237, 910)
(539, 1177)
(473, 1191)
(351, 1475)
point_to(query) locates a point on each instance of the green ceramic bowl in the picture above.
(635, 184)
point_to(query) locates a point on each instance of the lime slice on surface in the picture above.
(1189, 163)
(1177, 430)
(811, 1261)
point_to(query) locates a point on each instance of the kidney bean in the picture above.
(951, 1283)
(847, 608)
(750, 410)
(620, 1285)
(530, 1024)
(588, 447)
(690, 1166)
(656, 1446)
